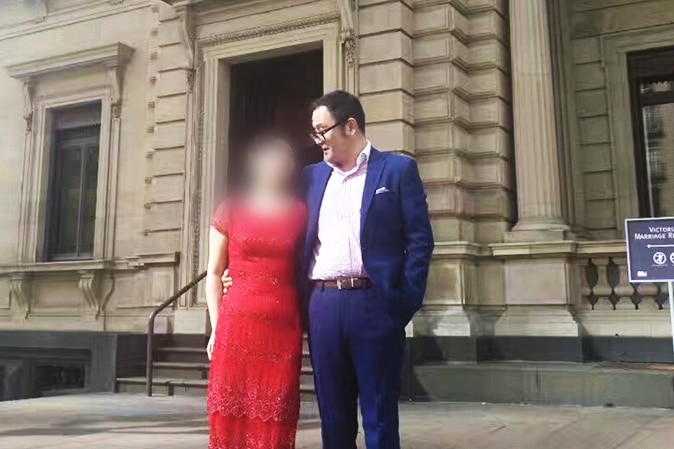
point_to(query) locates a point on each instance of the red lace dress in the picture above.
(253, 390)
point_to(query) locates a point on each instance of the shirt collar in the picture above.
(363, 158)
(365, 154)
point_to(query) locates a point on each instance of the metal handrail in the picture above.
(150, 328)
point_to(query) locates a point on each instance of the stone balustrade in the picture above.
(605, 281)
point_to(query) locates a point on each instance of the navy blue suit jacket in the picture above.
(395, 233)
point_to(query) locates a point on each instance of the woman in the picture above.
(256, 344)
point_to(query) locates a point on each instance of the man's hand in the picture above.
(226, 281)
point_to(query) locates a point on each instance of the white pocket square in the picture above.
(381, 190)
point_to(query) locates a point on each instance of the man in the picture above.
(366, 256)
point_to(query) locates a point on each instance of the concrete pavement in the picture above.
(134, 421)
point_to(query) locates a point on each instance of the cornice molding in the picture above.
(108, 56)
(265, 31)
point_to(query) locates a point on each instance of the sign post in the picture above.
(650, 254)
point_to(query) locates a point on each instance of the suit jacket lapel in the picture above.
(375, 168)
(316, 191)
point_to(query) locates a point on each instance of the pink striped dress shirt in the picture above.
(337, 252)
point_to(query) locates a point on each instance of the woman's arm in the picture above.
(217, 262)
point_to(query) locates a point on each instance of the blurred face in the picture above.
(331, 136)
(273, 165)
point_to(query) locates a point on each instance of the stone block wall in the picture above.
(462, 117)
(588, 22)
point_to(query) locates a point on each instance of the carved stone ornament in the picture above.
(96, 287)
(21, 292)
(28, 105)
(348, 35)
(349, 42)
(114, 80)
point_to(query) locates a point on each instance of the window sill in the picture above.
(62, 266)
(59, 266)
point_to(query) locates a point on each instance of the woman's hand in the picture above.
(210, 346)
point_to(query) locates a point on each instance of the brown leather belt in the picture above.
(344, 284)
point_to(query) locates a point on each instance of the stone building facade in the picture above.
(538, 127)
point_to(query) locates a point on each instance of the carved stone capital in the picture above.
(96, 287)
(21, 292)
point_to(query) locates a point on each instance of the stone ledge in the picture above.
(460, 250)
(531, 249)
(546, 383)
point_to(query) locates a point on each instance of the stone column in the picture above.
(539, 199)
(540, 280)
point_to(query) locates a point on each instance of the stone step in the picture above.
(553, 383)
(181, 354)
(194, 355)
(189, 370)
(163, 386)
(184, 370)
(185, 387)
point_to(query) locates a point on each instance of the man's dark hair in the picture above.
(343, 106)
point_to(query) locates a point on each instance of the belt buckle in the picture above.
(341, 286)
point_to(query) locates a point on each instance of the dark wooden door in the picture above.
(274, 93)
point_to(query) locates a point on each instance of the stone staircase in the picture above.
(181, 368)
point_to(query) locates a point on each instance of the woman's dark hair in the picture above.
(260, 144)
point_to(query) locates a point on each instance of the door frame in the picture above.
(212, 153)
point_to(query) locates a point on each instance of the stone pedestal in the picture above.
(531, 321)
(539, 199)
(449, 321)
(538, 296)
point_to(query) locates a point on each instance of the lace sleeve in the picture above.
(220, 219)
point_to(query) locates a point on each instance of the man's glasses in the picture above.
(319, 136)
